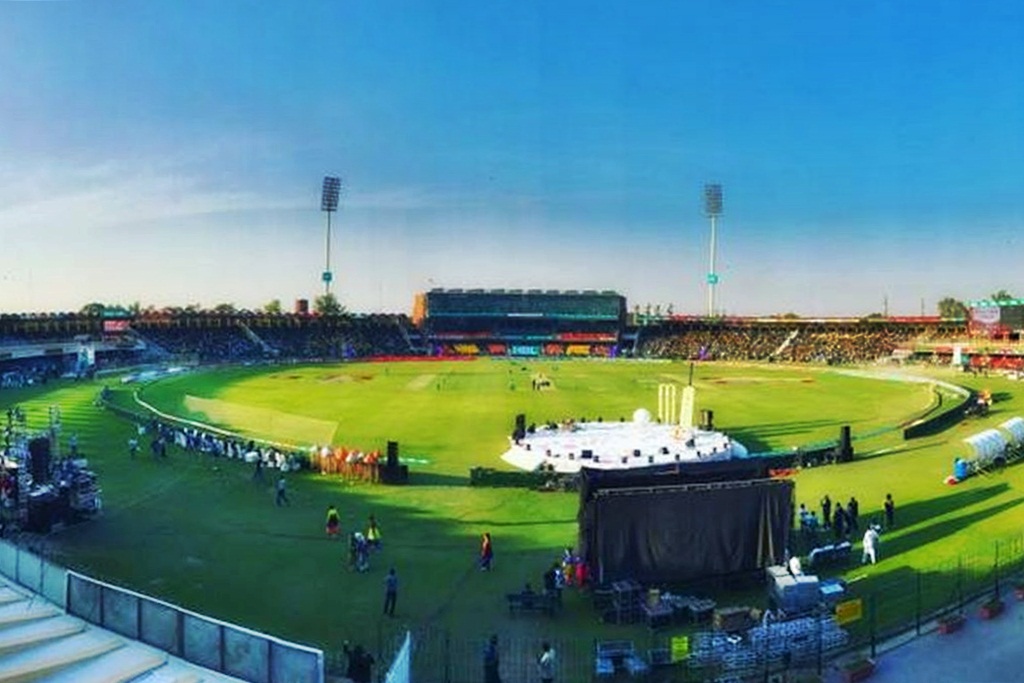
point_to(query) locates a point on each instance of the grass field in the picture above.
(201, 533)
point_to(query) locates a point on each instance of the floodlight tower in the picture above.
(713, 209)
(329, 204)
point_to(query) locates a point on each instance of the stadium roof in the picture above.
(531, 292)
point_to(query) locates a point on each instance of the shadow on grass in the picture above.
(935, 532)
(910, 514)
(899, 449)
(784, 428)
(930, 508)
(532, 522)
(435, 479)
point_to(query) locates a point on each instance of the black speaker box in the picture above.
(844, 452)
(399, 474)
(520, 429)
(39, 460)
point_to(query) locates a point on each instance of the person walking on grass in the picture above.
(282, 493)
(390, 592)
(373, 533)
(333, 525)
(486, 552)
(870, 545)
(890, 511)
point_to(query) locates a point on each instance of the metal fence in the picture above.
(208, 642)
(31, 571)
(905, 602)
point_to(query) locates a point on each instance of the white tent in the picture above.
(1015, 426)
(987, 445)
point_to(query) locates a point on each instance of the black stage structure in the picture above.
(700, 521)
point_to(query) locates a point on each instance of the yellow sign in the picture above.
(680, 648)
(848, 611)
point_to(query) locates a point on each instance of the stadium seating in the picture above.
(40, 642)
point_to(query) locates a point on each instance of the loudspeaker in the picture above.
(39, 460)
(392, 454)
(587, 454)
(520, 429)
(636, 452)
(844, 451)
(398, 474)
(707, 420)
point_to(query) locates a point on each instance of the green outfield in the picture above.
(200, 532)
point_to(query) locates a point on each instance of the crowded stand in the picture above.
(333, 338)
(206, 345)
(840, 347)
(784, 341)
(471, 323)
(714, 343)
(26, 372)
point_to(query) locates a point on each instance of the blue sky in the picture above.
(172, 152)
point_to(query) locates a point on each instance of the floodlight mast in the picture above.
(713, 209)
(329, 204)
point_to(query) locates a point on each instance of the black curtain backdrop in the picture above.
(677, 533)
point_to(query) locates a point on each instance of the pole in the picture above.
(917, 607)
(995, 570)
(327, 257)
(711, 268)
(871, 608)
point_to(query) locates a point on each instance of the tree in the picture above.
(328, 304)
(225, 308)
(952, 308)
(273, 307)
(1002, 295)
(93, 309)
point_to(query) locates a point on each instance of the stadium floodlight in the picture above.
(713, 209)
(329, 204)
(713, 199)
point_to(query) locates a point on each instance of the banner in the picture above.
(850, 610)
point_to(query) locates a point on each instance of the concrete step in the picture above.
(32, 633)
(42, 660)
(121, 665)
(8, 594)
(26, 610)
(180, 671)
(174, 671)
